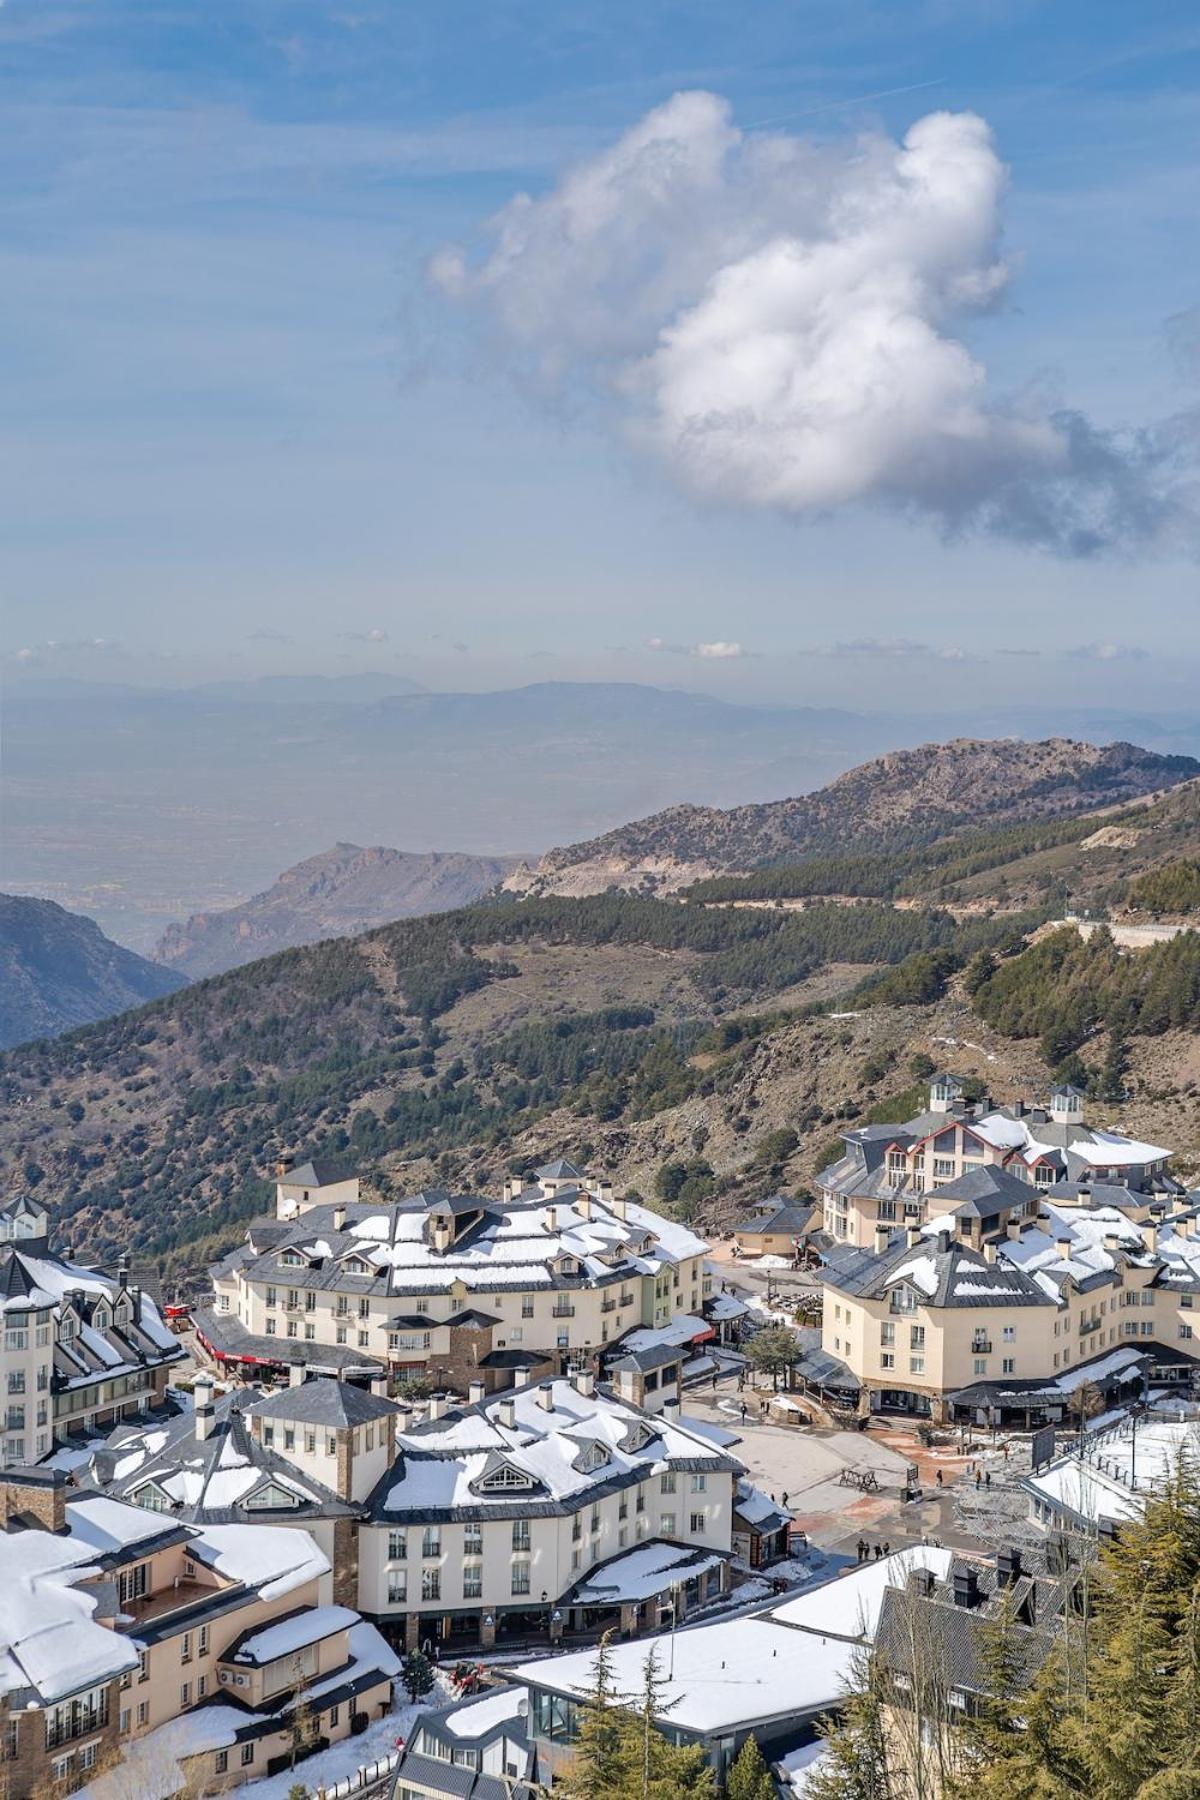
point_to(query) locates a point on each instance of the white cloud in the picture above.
(376, 635)
(719, 648)
(778, 323)
(894, 648)
(1109, 652)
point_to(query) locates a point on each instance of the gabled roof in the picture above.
(983, 1193)
(318, 1172)
(940, 1272)
(323, 1402)
(559, 1170)
(779, 1214)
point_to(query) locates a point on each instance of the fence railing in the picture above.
(362, 1781)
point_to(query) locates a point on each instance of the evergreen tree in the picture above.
(854, 1764)
(663, 1770)
(603, 1764)
(749, 1778)
(416, 1672)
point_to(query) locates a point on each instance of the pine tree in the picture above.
(665, 1771)
(749, 1778)
(416, 1672)
(854, 1764)
(604, 1760)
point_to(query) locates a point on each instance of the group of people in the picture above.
(866, 1551)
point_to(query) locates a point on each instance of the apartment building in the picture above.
(890, 1175)
(78, 1350)
(459, 1287)
(554, 1507)
(1011, 1326)
(308, 1456)
(119, 1624)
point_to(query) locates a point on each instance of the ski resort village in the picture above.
(419, 1492)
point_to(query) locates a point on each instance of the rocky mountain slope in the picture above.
(907, 797)
(340, 893)
(58, 970)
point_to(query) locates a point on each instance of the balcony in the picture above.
(608, 1306)
(75, 1720)
(559, 1311)
(981, 1346)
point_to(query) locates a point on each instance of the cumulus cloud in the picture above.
(779, 323)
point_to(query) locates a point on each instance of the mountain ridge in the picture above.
(903, 796)
(341, 892)
(59, 971)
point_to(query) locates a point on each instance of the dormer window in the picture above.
(505, 1479)
(151, 1497)
(903, 1300)
(270, 1498)
(100, 1318)
(292, 1259)
(593, 1456)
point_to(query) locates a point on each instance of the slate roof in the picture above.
(317, 1172)
(208, 1479)
(982, 1193)
(955, 1644)
(656, 1356)
(229, 1337)
(779, 1215)
(942, 1272)
(323, 1402)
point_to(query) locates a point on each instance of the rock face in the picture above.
(907, 796)
(58, 970)
(340, 893)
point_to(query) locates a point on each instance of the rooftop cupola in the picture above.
(1066, 1104)
(945, 1092)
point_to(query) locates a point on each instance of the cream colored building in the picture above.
(553, 1507)
(78, 1350)
(890, 1175)
(120, 1623)
(461, 1287)
(1011, 1328)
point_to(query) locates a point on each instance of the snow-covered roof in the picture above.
(794, 1662)
(640, 1574)
(562, 1444)
(50, 1642)
(276, 1559)
(293, 1633)
(683, 1329)
(1121, 1467)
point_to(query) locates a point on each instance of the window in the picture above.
(293, 1329)
(340, 1334)
(699, 1484)
(666, 1524)
(527, 1306)
(431, 1541)
(16, 1381)
(364, 1338)
(520, 1534)
(222, 1762)
(134, 1583)
(887, 1333)
(122, 1727)
(472, 1581)
(981, 1365)
(87, 1756)
(247, 1755)
(916, 1365)
(916, 1337)
(143, 1711)
(201, 1686)
(76, 1717)
(1008, 1365)
(431, 1584)
(330, 1445)
(335, 1713)
(887, 1359)
(1185, 1331)
(666, 1483)
(397, 1586)
(520, 1578)
(272, 1296)
(473, 1539)
(185, 1693)
(271, 1332)
(185, 1647)
(1009, 1334)
(364, 1308)
(697, 1524)
(310, 1332)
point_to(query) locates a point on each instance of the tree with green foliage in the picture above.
(600, 1766)
(774, 1350)
(416, 1673)
(749, 1778)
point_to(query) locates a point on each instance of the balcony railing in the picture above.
(981, 1346)
(608, 1306)
(563, 1312)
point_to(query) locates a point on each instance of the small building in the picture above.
(760, 1527)
(777, 1228)
(477, 1749)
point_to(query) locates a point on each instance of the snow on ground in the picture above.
(346, 1758)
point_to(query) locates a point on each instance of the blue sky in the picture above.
(243, 432)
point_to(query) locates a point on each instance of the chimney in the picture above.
(520, 1378)
(670, 1408)
(943, 1242)
(202, 1395)
(296, 1373)
(283, 1165)
(912, 1236)
(584, 1203)
(545, 1396)
(339, 1217)
(1149, 1231)
(1008, 1567)
(437, 1406)
(1065, 1247)
(123, 1273)
(506, 1412)
(882, 1234)
(966, 1586)
(552, 1218)
(39, 1492)
(379, 1386)
(584, 1382)
(1012, 1230)
(604, 1192)
(476, 1393)
(989, 1252)
(621, 1208)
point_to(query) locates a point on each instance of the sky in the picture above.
(806, 352)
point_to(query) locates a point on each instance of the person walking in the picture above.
(938, 1478)
(863, 1549)
(987, 1480)
(878, 1553)
(887, 1548)
(978, 1480)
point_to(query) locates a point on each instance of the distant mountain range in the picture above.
(906, 797)
(343, 891)
(58, 970)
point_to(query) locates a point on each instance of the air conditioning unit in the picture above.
(241, 1681)
(225, 1678)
